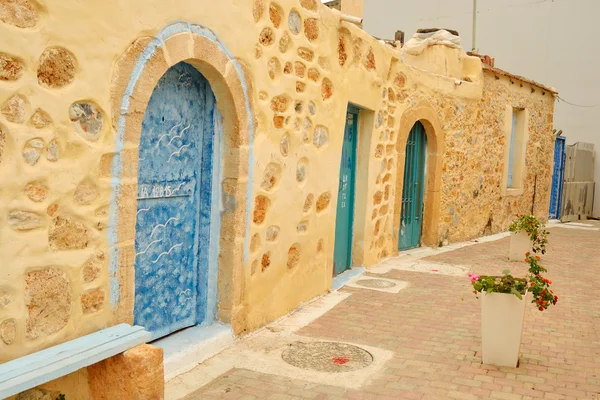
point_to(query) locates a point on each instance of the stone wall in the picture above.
(67, 266)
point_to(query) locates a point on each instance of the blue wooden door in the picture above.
(342, 257)
(177, 126)
(557, 178)
(411, 217)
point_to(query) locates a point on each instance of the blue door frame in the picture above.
(411, 217)
(557, 178)
(173, 222)
(344, 221)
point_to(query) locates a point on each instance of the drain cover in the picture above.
(327, 356)
(375, 283)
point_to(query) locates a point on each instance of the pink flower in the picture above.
(473, 277)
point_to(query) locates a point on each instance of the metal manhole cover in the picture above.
(375, 283)
(326, 356)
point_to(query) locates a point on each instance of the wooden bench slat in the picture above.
(59, 352)
(97, 347)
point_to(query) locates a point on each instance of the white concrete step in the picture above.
(185, 349)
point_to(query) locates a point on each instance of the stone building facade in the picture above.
(76, 81)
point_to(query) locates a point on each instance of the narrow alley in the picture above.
(431, 331)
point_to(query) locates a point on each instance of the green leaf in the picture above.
(516, 293)
(506, 272)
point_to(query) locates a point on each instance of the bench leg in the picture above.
(137, 374)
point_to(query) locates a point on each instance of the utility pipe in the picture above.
(352, 19)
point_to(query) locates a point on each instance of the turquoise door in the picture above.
(174, 186)
(342, 255)
(411, 217)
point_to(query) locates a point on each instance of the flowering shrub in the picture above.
(534, 229)
(539, 286)
(535, 283)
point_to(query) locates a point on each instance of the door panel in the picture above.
(167, 283)
(557, 178)
(342, 259)
(411, 217)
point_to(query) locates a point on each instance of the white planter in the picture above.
(519, 245)
(502, 317)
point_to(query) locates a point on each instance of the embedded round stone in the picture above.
(311, 29)
(272, 233)
(294, 22)
(66, 233)
(375, 283)
(261, 205)
(8, 331)
(275, 13)
(293, 255)
(32, 150)
(302, 170)
(47, 301)
(15, 108)
(52, 151)
(323, 201)
(24, 220)
(326, 356)
(321, 136)
(258, 9)
(40, 119)
(379, 120)
(11, 68)
(93, 267)
(20, 13)
(326, 89)
(36, 191)
(57, 67)
(85, 193)
(87, 119)
(271, 176)
(309, 4)
(284, 42)
(267, 37)
(284, 146)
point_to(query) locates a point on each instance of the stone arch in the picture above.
(135, 76)
(422, 112)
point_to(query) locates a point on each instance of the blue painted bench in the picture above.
(44, 366)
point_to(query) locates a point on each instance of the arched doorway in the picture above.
(174, 192)
(136, 75)
(411, 215)
(420, 117)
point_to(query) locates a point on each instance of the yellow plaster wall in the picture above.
(330, 64)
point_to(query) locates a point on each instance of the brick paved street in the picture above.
(433, 329)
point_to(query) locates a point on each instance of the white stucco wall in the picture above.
(550, 41)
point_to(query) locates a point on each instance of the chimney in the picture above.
(487, 60)
(399, 37)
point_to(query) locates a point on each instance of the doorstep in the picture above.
(345, 277)
(187, 348)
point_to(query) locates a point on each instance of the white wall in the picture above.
(554, 42)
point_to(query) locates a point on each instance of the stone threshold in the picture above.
(184, 350)
(345, 277)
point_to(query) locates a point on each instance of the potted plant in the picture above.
(527, 234)
(503, 302)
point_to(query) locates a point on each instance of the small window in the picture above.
(516, 149)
